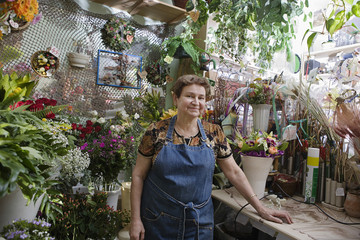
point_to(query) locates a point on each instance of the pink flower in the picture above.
(36, 19)
(273, 150)
(102, 145)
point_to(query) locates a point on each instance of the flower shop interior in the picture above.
(81, 80)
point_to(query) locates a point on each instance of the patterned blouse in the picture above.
(154, 139)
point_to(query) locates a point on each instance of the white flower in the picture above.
(168, 59)
(94, 113)
(136, 116)
(94, 120)
(124, 113)
(101, 120)
(112, 128)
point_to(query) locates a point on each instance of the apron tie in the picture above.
(191, 206)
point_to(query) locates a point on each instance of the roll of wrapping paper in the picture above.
(312, 174)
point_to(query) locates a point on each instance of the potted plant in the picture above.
(88, 217)
(245, 25)
(340, 12)
(28, 151)
(257, 151)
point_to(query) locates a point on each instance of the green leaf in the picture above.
(349, 1)
(310, 40)
(33, 152)
(307, 3)
(355, 9)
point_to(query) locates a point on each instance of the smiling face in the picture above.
(191, 103)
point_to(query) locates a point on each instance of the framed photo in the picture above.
(118, 69)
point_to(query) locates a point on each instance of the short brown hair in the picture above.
(190, 79)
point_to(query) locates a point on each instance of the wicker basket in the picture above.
(36, 66)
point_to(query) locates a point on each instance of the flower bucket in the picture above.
(261, 114)
(13, 206)
(125, 196)
(257, 170)
(112, 197)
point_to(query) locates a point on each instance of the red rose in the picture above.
(89, 123)
(41, 100)
(82, 136)
(73, 126)
(79, 127)
(52, 102)
(16, 105)
(97, 128)
(50, 115)
(36, 107)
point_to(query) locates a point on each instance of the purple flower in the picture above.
(36, 19)
(102, 145)
(84, 146)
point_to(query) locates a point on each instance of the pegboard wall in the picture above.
(63, 23)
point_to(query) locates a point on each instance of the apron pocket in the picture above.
(161, 226)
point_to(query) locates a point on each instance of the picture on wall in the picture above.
(118, 69)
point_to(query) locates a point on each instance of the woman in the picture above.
(172, 179)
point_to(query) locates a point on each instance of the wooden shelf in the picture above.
(332, 51)
(152, 9)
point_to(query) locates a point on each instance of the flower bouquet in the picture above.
(259, 144)
(259, 93)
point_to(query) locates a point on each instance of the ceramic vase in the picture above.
(257, 170)
(261, 114)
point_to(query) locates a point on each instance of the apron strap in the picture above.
(170, 130)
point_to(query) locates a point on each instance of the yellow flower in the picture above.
(21, 7)
(44, 119)
(33, 10)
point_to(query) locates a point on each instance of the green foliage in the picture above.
(88, 217)
(262, 26)
(151, 108)
(27, 152)
(340, 12)
(13, 88)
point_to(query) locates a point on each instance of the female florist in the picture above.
(118, 119)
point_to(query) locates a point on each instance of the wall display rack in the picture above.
(118, 69)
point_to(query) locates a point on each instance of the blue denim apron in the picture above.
(176, 200)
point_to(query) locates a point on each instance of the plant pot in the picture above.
(261, 114)
(13, 206)
(257, 170)
(78, 59)
(179, 3)
(125, 196)
(352, 204)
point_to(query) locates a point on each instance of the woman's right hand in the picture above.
(137, 230)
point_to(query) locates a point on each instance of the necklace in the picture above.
(190, 133)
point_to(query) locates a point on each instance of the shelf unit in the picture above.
(152, 9)
(332, 51)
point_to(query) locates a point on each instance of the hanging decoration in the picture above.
(157, 74)
(117, 34)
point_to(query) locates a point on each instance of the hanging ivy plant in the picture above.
(262, 26)
(117, 34)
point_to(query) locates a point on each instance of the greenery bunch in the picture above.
(262, 26)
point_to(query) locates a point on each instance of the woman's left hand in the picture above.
(275, 215)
